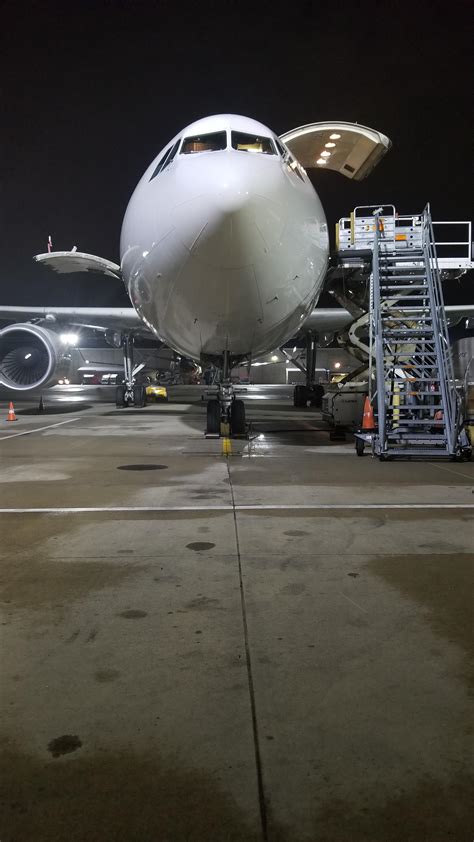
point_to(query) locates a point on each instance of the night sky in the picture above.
(90, 96)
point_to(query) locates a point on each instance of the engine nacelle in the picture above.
(30, 356)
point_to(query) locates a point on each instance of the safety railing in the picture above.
(452, 239)
(440, 331)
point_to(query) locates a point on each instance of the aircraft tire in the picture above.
(300, 395)
(237, 418)
(360, 445)
(138, 395)
(120, 397)
(213, 417)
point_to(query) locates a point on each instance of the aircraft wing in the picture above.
(78, 261)
(97, 318)
(347, 148)
(457, 312)
(335, 319)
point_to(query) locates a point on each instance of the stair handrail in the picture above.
(440, 332)
(377, 337)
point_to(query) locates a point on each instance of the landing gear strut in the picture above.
(225, 412)
(129, 393)
(310, 391)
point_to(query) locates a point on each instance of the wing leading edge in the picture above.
(98, 318)
(65, 262)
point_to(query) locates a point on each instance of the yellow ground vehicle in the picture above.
(156, 393)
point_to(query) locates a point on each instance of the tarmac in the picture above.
(271, 644)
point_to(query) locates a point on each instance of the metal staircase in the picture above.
(416, 403)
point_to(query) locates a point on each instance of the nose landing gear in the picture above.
(225, 412)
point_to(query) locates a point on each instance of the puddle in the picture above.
(132, 614)
(35, 583)
(202, 603)
(64, 745)
(200, 545)
(295, 533)
(106, 675)
(443, 583)
(433, 811)
(144, 467)
(116, 797)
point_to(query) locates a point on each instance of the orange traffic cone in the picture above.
(368, 422)
(11, 413)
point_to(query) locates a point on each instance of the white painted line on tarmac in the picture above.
(63, 510)
(99, 509)
(38, 429)
(361, 506)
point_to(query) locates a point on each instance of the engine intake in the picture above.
(29, 356)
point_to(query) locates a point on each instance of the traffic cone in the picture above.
(11, 413)
(368, 422)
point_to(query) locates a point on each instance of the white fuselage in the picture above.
(224, 249)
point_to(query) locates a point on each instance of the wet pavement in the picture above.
(274, 644)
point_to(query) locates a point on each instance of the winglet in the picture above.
(347, 148)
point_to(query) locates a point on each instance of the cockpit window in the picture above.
(251, 143)
(204, 143)
(166, 159)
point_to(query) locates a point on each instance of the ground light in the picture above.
(69, 338)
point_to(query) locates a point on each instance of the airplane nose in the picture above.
(230, 198)
(233, 223)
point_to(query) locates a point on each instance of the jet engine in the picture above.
(30, 356)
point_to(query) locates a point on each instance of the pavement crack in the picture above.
(253, 707)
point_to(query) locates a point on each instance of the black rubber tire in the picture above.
(237, 418)
(316, 396)
(138, 395)
(120, 397)
(213, 417)
(360, 447)
(300, 395)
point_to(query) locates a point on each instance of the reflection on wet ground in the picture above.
(190, 654)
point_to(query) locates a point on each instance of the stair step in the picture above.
(419, 423)
(408, 332)
(415, 255)
(406, 380)
(412, 394)
(417, 407)
(411, 354)
(419, 435)
(415, 451)
(404, 335)
(406, 318)
(383, 287)
(404, 307)
(415, 367)
(384, 277)
(392, 267)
